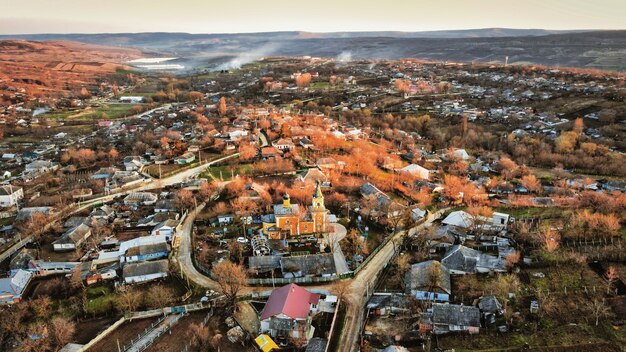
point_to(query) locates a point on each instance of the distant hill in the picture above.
(586, 49)
(56, 68)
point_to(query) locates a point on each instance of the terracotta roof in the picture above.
(290, 300)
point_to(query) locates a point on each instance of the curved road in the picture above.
(356, 296)
(185, 252)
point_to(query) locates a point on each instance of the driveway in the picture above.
(332, 240)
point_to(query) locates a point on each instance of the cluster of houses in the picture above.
(431, 281)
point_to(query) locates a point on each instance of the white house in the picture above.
(166, 228)
(225, 219)
(132, 99)
(72, 239)
(145, 271)
(417, 170)
(9, 195)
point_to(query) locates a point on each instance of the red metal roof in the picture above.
(290, 300)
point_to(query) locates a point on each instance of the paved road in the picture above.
(355, 298)
(156, 183)
(185, 252)
(183, 175)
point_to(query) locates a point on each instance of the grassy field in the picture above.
(100, 300)
(226, 171)
(113, 111)
(534, 212)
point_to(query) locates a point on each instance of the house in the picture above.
(417, 170)
(380, 204)
(9, 195)
(41, 268)
(166, 228)
(147, 252)
(463, 260)
(138, 198)
(270, 152)
(313, 176)
(225, 219)
(491, 308)
(186, 158)
(306, 143)
(39, 167)
(132, 99)
(418, 214)
(460, 219)
(27, 213)
(140, 272)
(121, 179)
(429, 280)
(383, 303)
(165, 206)
(134, 163)
(13, 287)
(103, 212)
(114, 255)
(92, 274)
(308, 265)
(264, 263)
(455, 318)
(288, 314)
(327, 163)
(72, 238)
(284, 144)
(459, 154)
(500, 220)
(236, 135)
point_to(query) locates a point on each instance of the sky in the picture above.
(237, 16)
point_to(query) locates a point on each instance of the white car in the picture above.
(242, 240)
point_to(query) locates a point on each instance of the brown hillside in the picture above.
(56, 68)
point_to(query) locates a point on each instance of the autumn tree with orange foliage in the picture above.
(231, 278)
(222, 106)
(402, 85)
(508, 168)
(531, 183)
(246, 151)
(549, 238)
(303, 80)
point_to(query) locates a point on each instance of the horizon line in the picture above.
(316, 32)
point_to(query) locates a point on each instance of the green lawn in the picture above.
(543, 212)
(100, 299)
(226, 171)
(113, 111)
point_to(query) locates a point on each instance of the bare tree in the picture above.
(198, 336)
(611, 277)
(129, 300)
(231, 278)
(159, 296)
(598, 309)
(62, 331)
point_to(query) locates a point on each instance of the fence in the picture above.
(103, 334)
(152, 333)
